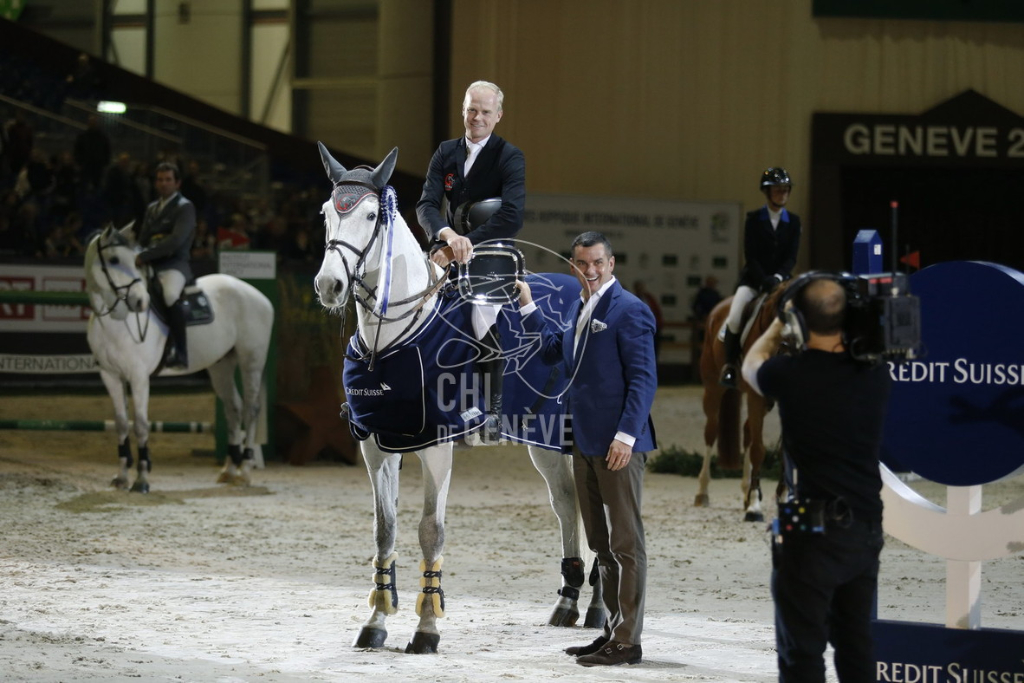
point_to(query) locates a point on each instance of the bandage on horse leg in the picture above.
(384, 594)
(124, 451)
(431, 585)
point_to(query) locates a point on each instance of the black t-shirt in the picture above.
(832, 410)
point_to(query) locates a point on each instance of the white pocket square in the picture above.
(597, 326)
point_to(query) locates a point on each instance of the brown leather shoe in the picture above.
(612, 654)
(590, 649)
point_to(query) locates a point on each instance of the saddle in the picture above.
(750, 313)
(195, 307)
(193, 301)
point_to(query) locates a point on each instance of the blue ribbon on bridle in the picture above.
(388, 209)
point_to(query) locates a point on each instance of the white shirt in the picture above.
(472, 152)
(774, 217)
(163, 202)
(581, 324)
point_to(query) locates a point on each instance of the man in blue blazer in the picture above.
(771, 239)
(610, 355)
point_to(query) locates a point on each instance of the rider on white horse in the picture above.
(483, 180)
(166, 239)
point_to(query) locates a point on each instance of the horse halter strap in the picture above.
(118, 296)
(344, 202)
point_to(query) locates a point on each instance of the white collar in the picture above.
(597, 295)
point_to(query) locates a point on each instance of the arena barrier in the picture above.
(61, 298)
(104, 426)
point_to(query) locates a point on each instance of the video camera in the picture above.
(883, 319)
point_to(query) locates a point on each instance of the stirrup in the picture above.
(490, 433)
(729, 377)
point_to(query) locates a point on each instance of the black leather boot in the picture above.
(178, 357)
(495, 372)
(730, 371)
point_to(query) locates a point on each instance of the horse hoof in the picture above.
(233, 479)
(701, 500)
(596, 617)
(370, 637)
(563, 616)
(753, 517)
(423, 644)
(119, 483)
(140, 487)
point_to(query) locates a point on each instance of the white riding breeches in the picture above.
(743, 296)
(484, 317)
(172, 281)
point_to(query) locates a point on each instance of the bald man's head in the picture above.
(823, 306)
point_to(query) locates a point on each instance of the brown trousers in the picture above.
(610, 505)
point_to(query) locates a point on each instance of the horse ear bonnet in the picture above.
(350, 187)
(376, 178)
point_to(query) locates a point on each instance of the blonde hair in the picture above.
(483, 84)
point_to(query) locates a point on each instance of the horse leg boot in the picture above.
(383, 601)
(730, 371)
(566, 612)
(141, 484)
(238, 467)
(124, 462)
(178, 357)
(597, 613)
(430, 608)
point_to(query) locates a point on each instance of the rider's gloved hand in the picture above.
(770, 283)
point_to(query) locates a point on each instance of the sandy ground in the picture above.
(200, 582)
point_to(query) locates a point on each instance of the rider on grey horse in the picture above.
(166, 238)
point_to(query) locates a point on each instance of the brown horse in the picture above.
(722, 409)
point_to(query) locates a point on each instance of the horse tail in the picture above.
(729, 451)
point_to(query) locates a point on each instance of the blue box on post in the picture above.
(867, 252)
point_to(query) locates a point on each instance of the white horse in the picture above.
(128, 339)
(373, 257)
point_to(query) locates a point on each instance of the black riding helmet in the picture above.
(775, 176)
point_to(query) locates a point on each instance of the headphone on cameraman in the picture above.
(791, 316)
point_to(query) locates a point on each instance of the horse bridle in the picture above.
(355, 275)
(116, 289)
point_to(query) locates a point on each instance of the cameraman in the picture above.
(832, 408)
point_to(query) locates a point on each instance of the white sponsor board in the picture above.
(248, 265)
(48, 365)
(671, 245)
(36, 318)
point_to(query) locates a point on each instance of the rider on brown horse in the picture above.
(770, 243)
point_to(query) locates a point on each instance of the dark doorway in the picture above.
(961, 214)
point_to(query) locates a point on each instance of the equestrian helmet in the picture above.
(776, 175)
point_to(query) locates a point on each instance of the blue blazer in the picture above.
(613, 374)
(499, 171)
